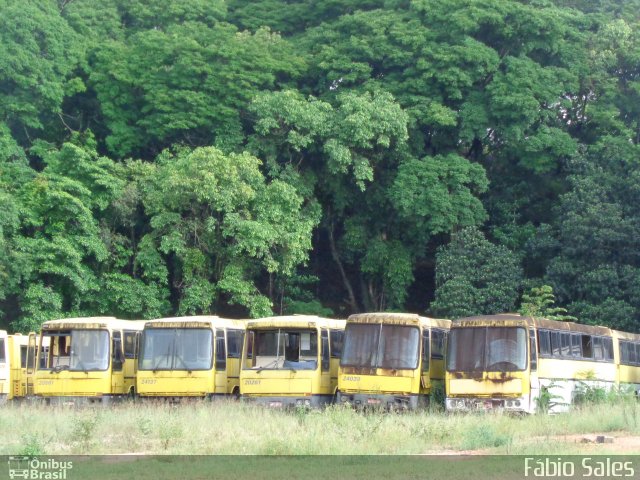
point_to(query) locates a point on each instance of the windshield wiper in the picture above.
(161, 359)
(268, 365)
(176, 356)
(59, 368)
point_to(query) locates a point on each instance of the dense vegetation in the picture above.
(248, 157)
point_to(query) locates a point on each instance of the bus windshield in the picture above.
(77, 350)
(176, 349)
(285, 349)
(488, 349)
(381, 346)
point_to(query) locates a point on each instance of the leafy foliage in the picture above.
(539, 304)
(475, 277)
(274, 156)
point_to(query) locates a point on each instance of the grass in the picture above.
(227, 427)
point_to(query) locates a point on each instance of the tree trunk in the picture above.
(353, 304)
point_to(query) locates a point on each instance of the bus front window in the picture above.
(78, 350)
(176, 349)
(381, 346)
(285, 349)
(490, 349)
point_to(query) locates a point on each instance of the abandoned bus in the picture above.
(505, 361)
(17, 365)
(89, 360)
(626, 350)
(291, 361)
(195, 356)
(392, 360)
(12, 361)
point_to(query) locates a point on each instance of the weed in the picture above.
(32, 445)
(84, 427)
(169, 432)
(485, 435)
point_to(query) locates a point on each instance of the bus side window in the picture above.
(587, 343)
(633, 357)
(118, 354)
(250, 340)
(325, 350)
(607, 345)
(544, 343)
(31, 357)
(624, 352)
(555, 344)
(221, 351)
(533, 350)
(565, 339)
(425, 350)
(130, 344)
(437, 343)
(23, 356)
(336, 337)
(234, 343)
(576, 350)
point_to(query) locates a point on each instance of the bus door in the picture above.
(425, 377)
(130, 347)
(221, 363)
(534, 381)
(117, 364)
(325, 364)
(31, 364)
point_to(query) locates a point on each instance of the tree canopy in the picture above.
(251, 158)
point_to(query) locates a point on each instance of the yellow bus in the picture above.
(392, 360)
(626, 350)
(89, 360)
(291, 361)
(17, 365)
(514, 363)
(195, 356)
(12, 364)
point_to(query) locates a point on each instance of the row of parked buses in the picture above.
(390, 360)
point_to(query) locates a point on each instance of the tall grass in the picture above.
(236, 428)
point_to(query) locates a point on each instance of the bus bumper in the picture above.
(469, 404)
(78, 400)
(375, 400)
(311, 401)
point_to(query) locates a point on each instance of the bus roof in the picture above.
(390, 318)
(634, 337)
(91, 323)
(516, 320)
(196, 321)
(296, 321)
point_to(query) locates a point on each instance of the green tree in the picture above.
(219, 225)
(38, 52)
(475, 277)
(185, 83)
(56, 238)
(596, 272)
(539, 303)
(381, 206)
